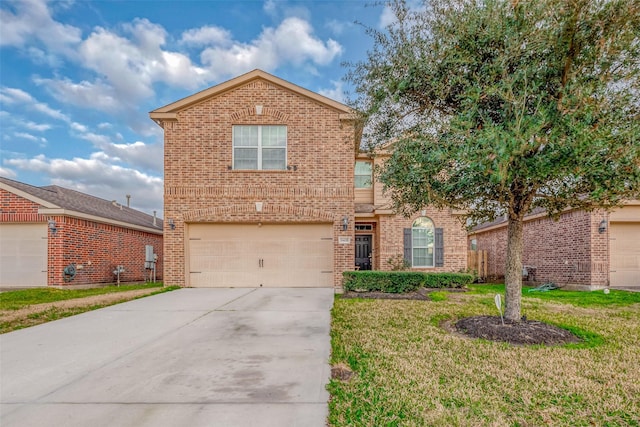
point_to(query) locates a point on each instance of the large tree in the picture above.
(497, 107)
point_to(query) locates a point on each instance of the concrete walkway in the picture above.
(192, 357)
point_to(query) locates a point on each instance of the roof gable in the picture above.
(168, 112)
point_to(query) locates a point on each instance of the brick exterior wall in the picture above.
(200, 187)
(569, 251)
(390, 239)
(95, 248)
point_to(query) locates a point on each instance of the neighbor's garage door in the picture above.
(23, 255)
(625, 254)
(271, 255)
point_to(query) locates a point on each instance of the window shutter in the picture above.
(439, 247)
(407, 245)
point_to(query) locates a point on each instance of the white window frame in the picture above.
(429, 245)
(259, 147)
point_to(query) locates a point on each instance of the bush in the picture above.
(402, 281)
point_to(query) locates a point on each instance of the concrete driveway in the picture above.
(192, 357)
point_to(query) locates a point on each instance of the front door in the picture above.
(363, 252)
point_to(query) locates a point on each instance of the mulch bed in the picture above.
(420, 294)
(525, 332)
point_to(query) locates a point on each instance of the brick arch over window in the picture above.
(264, 111)
(268, 209)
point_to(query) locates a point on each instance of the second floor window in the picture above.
(363, 175)
(259, 147)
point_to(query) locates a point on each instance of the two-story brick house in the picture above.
(264, 186)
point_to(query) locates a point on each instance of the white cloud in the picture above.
(387, 17)
(32, 21)
(336, 92)
(18, 96)
(7, 173)
(41, 57)
(105, 125)
(12, 95)
(78, 127)
(30, 137)
(205, 36)
(269, 7)
(126, 68)
(337, 27)
(95, 95)
(137, 154)
(96, 176)
(271, 49)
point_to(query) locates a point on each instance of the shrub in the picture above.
(401, 281)
(398, 263)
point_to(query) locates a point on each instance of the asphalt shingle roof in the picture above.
(76, 201)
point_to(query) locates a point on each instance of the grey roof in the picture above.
(503, 220)
(76, 201)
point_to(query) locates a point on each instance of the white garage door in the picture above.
(625, 254)
(270, 255)
(23, 255)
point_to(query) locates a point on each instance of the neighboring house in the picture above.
(592, 249)
(261, 190)
(54, 236)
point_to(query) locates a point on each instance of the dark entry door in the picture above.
(363, 252)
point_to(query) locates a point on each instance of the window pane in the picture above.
(423, 222)
(363, 182)
(274, 158)
(245, 136)
(419, 257)
(422, 257)
(274, 136)
(363, 168)
(363, 175)
(245, 158)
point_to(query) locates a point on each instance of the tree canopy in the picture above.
(497, 107)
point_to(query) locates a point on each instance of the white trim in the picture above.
(259, 148)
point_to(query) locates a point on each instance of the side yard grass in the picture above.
(29, 307)
(409, 371)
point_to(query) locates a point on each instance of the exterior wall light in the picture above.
(345, 223)
(52, 226)
(172, 224)
(603, 226)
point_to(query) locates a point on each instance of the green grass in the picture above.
(594, 299)
(14, 300)
(409, 371)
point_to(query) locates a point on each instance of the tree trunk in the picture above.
(513, 269)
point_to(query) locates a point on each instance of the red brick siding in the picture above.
(14, 208)
(567, 251)
(98, 247)
(391, 239)
(199, 187)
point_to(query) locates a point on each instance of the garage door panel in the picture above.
(23, 255)
(271, 255)
(625, 254)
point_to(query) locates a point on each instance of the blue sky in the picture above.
(78, 78)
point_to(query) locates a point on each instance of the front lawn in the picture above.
(23, 308)
(409, 371)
